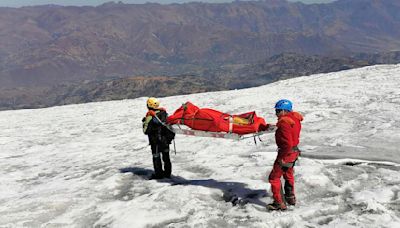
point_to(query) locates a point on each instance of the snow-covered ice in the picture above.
(85, 165)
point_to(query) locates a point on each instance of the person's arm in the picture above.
(284, 138)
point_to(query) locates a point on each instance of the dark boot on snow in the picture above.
(276, 206)
(167, 174)
(156, 176)
(291, 200)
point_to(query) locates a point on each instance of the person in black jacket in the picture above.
(159, 138)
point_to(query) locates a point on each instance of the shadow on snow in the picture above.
(235, 192)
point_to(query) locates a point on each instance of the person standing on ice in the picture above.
(287, 139)
(159, 138)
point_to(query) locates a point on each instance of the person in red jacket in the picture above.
(287, 139)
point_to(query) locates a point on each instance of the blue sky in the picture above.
(18, 3)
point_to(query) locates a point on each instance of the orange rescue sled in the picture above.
(212, 123)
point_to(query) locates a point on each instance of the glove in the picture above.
(151, 113)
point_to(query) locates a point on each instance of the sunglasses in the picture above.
(277, 111)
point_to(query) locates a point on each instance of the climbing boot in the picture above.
(291, 200)
(276, 206)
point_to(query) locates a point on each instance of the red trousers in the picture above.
(275, 181)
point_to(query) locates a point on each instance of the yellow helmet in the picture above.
(153, 102)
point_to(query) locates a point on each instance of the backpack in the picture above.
(168, 135)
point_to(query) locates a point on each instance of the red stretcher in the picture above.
(207, 122)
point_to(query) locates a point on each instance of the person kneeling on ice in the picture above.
(160, 136)
(287, 138)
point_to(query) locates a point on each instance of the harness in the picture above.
(291, 164)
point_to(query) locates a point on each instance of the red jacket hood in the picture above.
(288, 118)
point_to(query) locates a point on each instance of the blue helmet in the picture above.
(284, 104)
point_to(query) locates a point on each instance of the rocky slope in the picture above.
(278, 67)
(48, 45)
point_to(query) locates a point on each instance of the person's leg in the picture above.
(275, 181)
(290, 197)
(158, 172)
(167, 162)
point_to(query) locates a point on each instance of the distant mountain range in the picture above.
(283, 66)
(48, 45)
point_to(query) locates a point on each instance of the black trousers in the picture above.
(161, 151)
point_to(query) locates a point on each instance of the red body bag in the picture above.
(205, 119)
